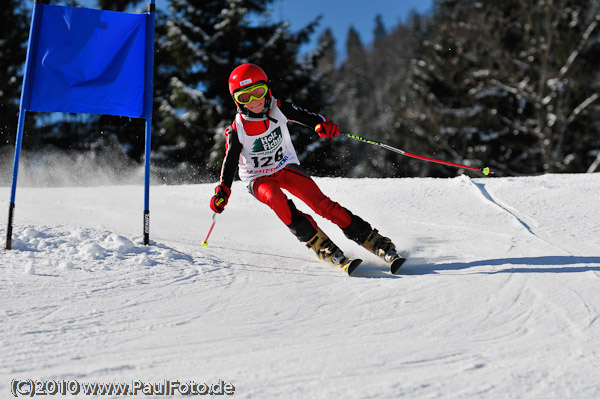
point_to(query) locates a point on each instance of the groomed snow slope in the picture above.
(498, 298)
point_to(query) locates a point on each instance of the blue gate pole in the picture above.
(36, 16)
(148, 97)
(13, 189)
(147, 183)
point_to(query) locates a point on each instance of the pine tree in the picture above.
(379, 33)
(352, 91)
(390, 64)
(438, 109)
(14, 32)
(201, 43)
(368, 87)
(326, 63)
(507, 83)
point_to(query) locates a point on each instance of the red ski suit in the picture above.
(269, 189)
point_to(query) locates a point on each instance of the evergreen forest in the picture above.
(513, 85)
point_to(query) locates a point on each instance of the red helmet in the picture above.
(246, 75)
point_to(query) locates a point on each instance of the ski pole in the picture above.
(486, 171)
(214, 218)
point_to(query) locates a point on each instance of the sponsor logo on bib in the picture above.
(269, 142)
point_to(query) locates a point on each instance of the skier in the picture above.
(260, 148)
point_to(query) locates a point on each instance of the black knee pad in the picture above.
(301, 227)
(358, 231)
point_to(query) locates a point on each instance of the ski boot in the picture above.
(385, 249)
(364, 235)
(329, 252)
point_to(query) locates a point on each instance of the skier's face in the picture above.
(256, 106)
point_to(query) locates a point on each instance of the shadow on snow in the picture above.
(539, 264)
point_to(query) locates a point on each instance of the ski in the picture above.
(350, 265)
(396, 263)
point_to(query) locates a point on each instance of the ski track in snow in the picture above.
(520, 218)
(498, 297)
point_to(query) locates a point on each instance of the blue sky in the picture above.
(338, 15)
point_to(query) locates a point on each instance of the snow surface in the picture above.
(499, 296)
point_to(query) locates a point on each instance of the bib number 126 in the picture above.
(261, 162)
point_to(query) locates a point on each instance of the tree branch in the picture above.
(584, 39)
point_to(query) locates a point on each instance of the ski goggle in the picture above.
(256, 92)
